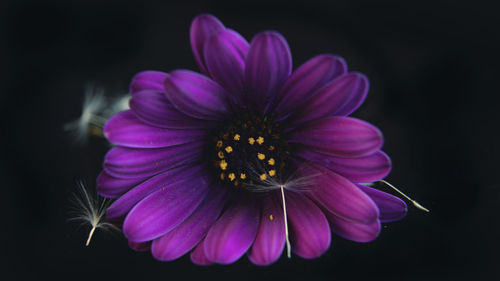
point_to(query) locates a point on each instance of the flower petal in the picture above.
(202, 27)
(111, 187)
(354, 231)
(339, 97)
(123, 162)
(310, 233)
(391, 207)
(189, 233)
(153, 108)
(268, 64)
(164, 209)
(126, 129)
(176, 176)
(339, 196)
(225, 55)
(369, 168)
(147, 80)
(233, 233)
(308, 78)
(270, 239)
(339, 137)
(198, 256)
(196, 95)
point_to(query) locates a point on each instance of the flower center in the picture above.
(249, 151)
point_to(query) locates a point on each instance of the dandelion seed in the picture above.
(415, 203)
(288, 246)
(90, 121)
(96, 110)
(90, 210)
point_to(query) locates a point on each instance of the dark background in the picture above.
(433, 68)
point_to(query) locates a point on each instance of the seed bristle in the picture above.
(90, 209)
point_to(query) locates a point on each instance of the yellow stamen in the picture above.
(229, 149)
(261, 156)
(236, 137)
(260, 140)
(222, 176)
(263, 177)
(272, 173)
(220, 154)
(271, 161)
(243, 176)
(251, 141)
(223, 164)
(231, 176)
(271, 217)
(271, 147)
(219, 144)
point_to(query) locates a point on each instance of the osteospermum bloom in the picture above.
(201, 160)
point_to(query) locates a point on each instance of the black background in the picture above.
(433, 68)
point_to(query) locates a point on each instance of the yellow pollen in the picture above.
(220, 154)
(236, 137)
(263, 177)
(271, 147)
(231, 176)
(229, 149)
(243, 176)
(223, 164)
(219, 144)
(261, 156)
(271, 161)
(251, 141)
(222, 176)
(272, 173)
(271, 217)
(260, 140)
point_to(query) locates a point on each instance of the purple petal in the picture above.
(308, 78)
(233, 233)
(225, 55)
(164, 210)
(354, 231)
(268, 64)
(176, 176)
(196, 95)
(339, 196)
(339, 137)
(147, 80)
(123, 162)
(198, 256)
(140, 247)
(153, 108)
(202, 27)
(126, 129)
(391, 207)
(310, 233)
(340, 97)
(111, 187)
(189, 233)
(369, 168)
(270, 239)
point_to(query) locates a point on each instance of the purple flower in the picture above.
(201, 160)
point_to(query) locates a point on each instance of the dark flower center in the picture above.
(250, 151)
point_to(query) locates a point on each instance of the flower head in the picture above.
(205, 162)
